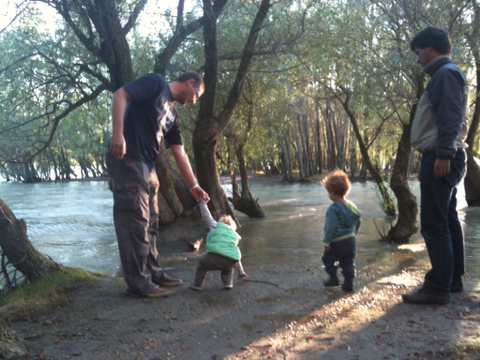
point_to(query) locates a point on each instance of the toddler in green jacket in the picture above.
(222, 250)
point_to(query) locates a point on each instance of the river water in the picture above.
(72, 223)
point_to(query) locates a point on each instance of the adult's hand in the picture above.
(442, 167)
(199, 194)
(118, 146)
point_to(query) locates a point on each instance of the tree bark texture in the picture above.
(245, 203)
(407, 202)
(388, 204)
(19, 250)
(318, 144)
(472, 180)
(209, 125)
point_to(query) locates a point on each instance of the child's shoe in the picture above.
(228, 287)
(193, 285)
(347, 286)
(333, 281)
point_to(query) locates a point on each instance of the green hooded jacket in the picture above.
(224, 241)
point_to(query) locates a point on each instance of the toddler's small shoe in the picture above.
(228, 286)
(193, 285)
(333, 281)
(169, 281)
(347, 288)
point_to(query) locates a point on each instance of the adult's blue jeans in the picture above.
(440, 226)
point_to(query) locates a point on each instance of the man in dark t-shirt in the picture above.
(143, 112)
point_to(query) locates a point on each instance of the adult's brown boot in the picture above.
(168, 281)
(423, 297)
(157, 293)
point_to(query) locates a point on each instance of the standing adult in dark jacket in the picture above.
(439, 131)
(143, 112)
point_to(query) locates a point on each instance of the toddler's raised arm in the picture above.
(207, 217)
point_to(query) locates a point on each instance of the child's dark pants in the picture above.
(344, 252)
(211, 261)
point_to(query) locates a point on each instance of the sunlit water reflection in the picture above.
(72, 223)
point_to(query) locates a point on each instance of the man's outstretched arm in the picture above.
(183, 163)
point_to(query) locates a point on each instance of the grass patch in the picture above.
(45, 293)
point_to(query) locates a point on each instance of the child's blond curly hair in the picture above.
(337, 182)
(227, 219)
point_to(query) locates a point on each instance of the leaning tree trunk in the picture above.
(407, 202)
(19, 250)
(387, 201)
(209, 125)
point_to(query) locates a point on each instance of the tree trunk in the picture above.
(245, 203)
(288, 160)
(407, 202)
(387, 202)
(472, 180)
(19, 250)
(209, 125)
(301, 169)
(318, 143)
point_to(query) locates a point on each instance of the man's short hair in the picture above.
(337, 182)
(434, 37)
(191, 75)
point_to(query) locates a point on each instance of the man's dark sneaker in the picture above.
(457, 285)
(167, 281)
(425, 297)
(333, 281)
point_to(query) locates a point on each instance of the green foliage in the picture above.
(308, 54)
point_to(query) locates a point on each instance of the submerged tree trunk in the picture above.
(245, 203)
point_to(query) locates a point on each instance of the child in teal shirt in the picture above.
(341, 225)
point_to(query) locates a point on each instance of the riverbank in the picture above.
(281, 319)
